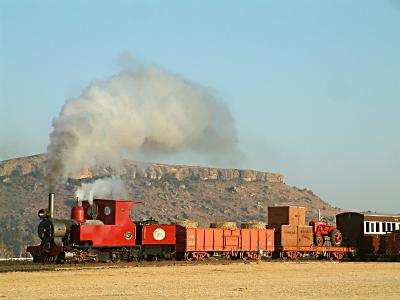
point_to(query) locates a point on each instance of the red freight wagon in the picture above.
(158, 240)
(199, 243)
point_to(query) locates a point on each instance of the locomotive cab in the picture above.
(106, 223)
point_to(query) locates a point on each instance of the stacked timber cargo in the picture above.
(289, 224)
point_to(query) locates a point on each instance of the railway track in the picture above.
(28, 266)
(38, 267)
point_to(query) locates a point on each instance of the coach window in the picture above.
(378, 227)
(366, 226)
(383, 226)
(389, 227)
(393, 226)
(372, 227)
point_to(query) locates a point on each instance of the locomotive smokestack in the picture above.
(78, 202)
(51, 205)
(319, 214)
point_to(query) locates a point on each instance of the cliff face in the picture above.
(36, 164)
(168, 193)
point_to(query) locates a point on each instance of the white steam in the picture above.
(147, 110)
(104, 188)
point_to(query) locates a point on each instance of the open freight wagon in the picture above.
(201, 243)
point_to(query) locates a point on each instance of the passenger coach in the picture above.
(367, 231)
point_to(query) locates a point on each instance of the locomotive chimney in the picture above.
(319, 214)
(78, 212)
(51, 205)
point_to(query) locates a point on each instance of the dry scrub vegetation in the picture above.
(240, 281)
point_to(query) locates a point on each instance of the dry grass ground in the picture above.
(240, 281)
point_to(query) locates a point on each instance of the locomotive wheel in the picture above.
(60, 259)
(318, 240)
(336, 238)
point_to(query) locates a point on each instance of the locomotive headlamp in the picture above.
(43, 214)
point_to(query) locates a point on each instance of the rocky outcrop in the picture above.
(134, 169)
(22, 166)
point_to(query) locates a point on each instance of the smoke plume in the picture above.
(104, 188)
(146, 110)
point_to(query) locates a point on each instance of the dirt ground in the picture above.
(266, 280)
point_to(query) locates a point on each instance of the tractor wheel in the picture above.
(318, 240)
(336, 238)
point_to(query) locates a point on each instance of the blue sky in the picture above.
(314, 86)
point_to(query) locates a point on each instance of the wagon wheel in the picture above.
(189, 256)
(245, 256)
(298, 255)
(389, 252)
(235, 254)
(201, 255)
(252, 255)
(338, 255)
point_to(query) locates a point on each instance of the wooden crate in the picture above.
(286, 215)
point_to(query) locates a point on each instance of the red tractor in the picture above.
(325, 234)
